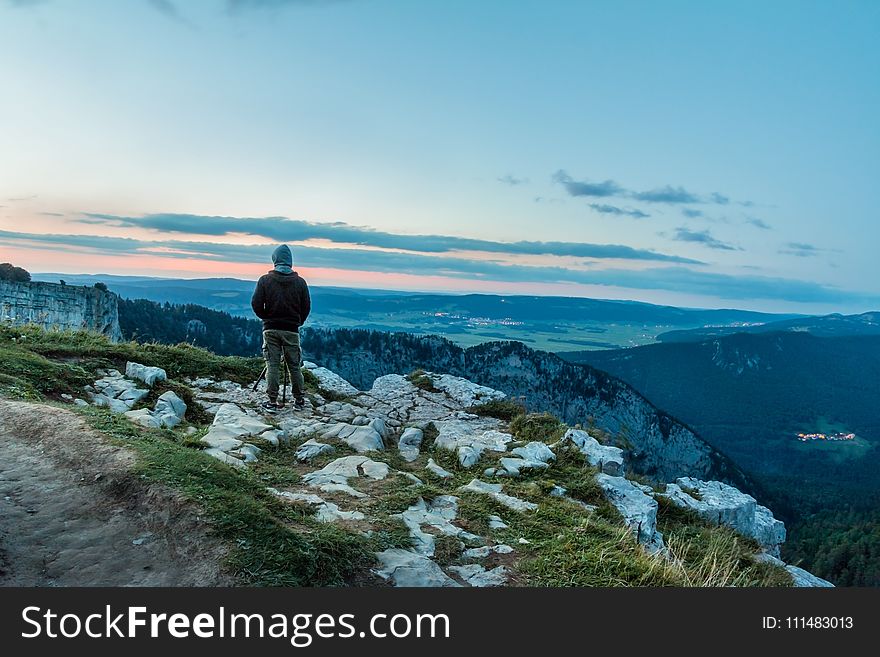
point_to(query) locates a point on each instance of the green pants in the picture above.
(275, 343)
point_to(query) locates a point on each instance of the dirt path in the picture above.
(73, 514)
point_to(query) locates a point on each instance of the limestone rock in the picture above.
(464, 392)
(148, 375)
(495, 522)
(437, 514)
(721, 503)
(378, 425)
(800, 577)
(409, 568)
(364, 439)
(333, 382)
(535, 451)
(115, 405)
(221, 455)
(334, 476)
(494, 491)
(54, 306)
(143, 417)
(468, 441)
(409, 443)
(310, 449)
(246, 452)
(476, 575)
(485, 550)
(116, 392)
(608, 459)
(436, 470)
(169, 409)
(324, 511)
(511, 467)
(231, 427)
(273, 437)
(639, 510)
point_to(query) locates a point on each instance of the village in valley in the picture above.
(838, 436)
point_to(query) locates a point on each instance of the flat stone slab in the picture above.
(220, 455)
(408, 568)
(476, 575)
(231, 426)
(334, 476)
(514, 467)
(463, 392)
(486, 550)
(324, 511)
(494, 491)
(496, 522)
(468, 440)
(311, 449)
(437, 514)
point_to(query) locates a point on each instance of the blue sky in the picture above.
(692, 153)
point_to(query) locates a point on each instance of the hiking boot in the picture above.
(270, 407)
(300, 402)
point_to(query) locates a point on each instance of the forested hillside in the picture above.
(750, 395)
(220, 332)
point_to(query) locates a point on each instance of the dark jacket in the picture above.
(282, 301)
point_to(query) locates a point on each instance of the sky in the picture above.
(682, 152)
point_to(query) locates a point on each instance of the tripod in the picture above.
(285, 377)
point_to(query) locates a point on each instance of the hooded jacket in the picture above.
(281, 300)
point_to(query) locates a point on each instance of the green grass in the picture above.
(541, 427)
(422, 381)
(179, 361)
(503, 409)
(31, 376)
(714, 555)
(447, 549)
(274, 543)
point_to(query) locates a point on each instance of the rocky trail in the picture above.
(73, 514)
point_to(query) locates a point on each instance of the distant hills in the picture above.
(823, 326)
(547, 323)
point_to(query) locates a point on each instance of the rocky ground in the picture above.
(353, 454)
(73, 514)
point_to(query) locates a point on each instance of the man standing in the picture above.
(282, 301)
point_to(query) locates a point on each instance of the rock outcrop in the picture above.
(658, 445)
(366, 450)
(723, 504)
(54, 306)
(637, 506)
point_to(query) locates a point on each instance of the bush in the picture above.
(503, 409)
(422, 381)
(543, 427)
(9, 272)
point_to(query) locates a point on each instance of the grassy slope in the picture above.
(277, 543)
